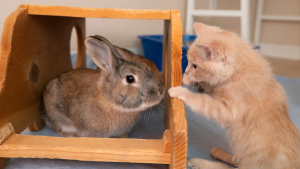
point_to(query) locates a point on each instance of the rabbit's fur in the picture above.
(91, 103)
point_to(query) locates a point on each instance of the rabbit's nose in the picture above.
(161, 91)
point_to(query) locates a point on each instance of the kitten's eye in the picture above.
(129, 79)
(194, 66)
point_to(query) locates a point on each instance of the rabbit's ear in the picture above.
(101, 53)
(122, 54)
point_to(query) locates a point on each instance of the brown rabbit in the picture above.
(106, 103)
(128, 55)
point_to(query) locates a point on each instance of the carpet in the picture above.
(202, 134)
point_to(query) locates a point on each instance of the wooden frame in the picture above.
(35, 48)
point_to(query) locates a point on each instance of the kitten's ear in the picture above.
(202, 29)
(205, 51)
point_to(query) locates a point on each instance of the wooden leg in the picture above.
(37, 124)
(3, 162)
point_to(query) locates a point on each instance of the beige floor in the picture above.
(283, 67)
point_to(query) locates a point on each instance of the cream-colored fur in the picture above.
(243, 97)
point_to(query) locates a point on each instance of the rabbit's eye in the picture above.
(129, 79)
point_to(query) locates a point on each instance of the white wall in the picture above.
(277, 38)
(121, 32)
(124, 32)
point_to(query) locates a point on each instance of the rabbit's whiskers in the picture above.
(133, 124)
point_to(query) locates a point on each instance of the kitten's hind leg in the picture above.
(198, 163)
(222, 155)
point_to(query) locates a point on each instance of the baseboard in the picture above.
(280, 51)
(137, 51)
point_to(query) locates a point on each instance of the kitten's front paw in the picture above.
(179, 92)
(195, 163)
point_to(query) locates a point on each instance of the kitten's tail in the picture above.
(198, 163)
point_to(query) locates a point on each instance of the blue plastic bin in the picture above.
(153, 46)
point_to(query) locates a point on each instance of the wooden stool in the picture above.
(35, 47)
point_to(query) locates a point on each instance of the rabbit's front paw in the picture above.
(179, 92)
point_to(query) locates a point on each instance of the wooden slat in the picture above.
(178, 124)
(98, 12)
(34, 49)
(87, 149)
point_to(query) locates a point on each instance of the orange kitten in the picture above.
(243, 97)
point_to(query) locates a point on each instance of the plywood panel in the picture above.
(34, 49)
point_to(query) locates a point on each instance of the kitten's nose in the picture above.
(186, 73)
